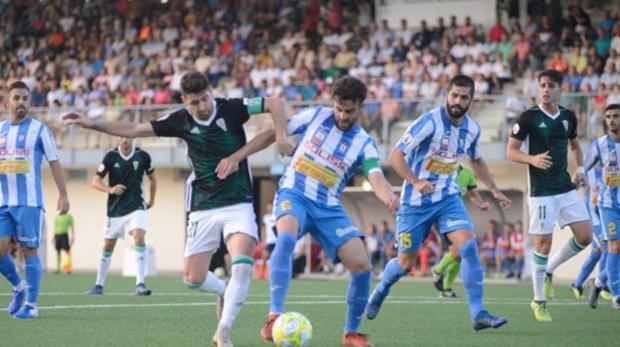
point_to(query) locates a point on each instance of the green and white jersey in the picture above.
(128, 171)
(541, 132)
(207, 143)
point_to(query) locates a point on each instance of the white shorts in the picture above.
(115, 226)
(205, 228)
(567, 208)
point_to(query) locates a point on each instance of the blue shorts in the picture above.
(610, 218)
(413, 223)
(329, 225)
(22, 222)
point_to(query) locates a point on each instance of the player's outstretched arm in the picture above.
(383, 190)
(230, 164)
(117, 128)
(152, 190)
(279, 113)
(480, 168)
(59, 180)
(398, 163)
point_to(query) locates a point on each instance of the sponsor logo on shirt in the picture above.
(14, 161)
(314, 149)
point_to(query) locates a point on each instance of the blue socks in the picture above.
(586, 268)
(357, 297)
(391, 274)
(33, 278)
(8, 270)
(280, 270)
(613, 272)
(602, 266)
(471, 273)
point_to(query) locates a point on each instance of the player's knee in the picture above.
(583, 240)
(469, 248)
(193, 281)
(29, 252)
(406, 263)
(613, 246)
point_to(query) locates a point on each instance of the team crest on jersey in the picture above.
(135, 165)
(462, 143)
(221, 123)
(319, 136)
(285, 205)
(407, 139)
(565, 123)
(342, 148)
(445, 143)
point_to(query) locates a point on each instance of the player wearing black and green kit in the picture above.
(125, 167)
(546, 132)
(451, 260)
(220, 190)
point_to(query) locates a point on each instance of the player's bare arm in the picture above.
(118, 128)
(398, 163)
(99, 184)
(383, 190)
(514, 153)
(278, 109)
(481, 169)
(152, 190)
(579, 177)
(476, 199)
(59, 180)
(230, 164)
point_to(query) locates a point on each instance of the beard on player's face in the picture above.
(456, 110)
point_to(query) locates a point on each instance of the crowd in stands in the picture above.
(97, 53)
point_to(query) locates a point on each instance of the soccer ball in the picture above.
(292, 329)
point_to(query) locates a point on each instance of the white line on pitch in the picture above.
(323, 302)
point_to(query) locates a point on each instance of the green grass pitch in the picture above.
(412, 315)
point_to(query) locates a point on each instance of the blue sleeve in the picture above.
(418, 131)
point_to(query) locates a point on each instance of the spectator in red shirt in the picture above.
(497, 30)
(558, 62)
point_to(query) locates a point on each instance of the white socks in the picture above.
(569, 250)
(104, 266)
(237, 290)
(140, 263)
(539, 271)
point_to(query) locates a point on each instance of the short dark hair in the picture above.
(612, 107)
(349, 88)
(194, 82)
(19, 85)
(555, 75)
(463, 81)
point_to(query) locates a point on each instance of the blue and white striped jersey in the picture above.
(434, 148)
(326, 157)
(595, 182)
(22, 147)
(606, 152)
